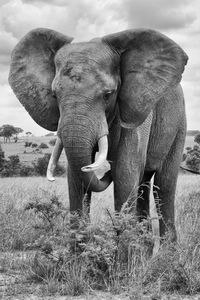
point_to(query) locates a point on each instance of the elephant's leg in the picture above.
(143, 195)
(165, 182)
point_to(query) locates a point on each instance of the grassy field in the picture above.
(17, 230)
(30, 155)
(26, 270)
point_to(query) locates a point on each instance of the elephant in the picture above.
(119, 94)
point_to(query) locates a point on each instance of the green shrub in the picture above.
(34, 145)
(41, 165)
(52, 142)
(27, 171)
(27, 144)
(43, 146)
(2, 159)
(10, 167)
(193, 159)
(13, 167)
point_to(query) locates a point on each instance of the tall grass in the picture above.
(111, 252)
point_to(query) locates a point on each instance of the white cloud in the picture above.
(158, 14)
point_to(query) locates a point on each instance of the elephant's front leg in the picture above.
(166, 180)
(127, 169)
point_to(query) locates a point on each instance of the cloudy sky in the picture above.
(85, 19)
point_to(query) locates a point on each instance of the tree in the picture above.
(18, 131)
(7, 131)
(52, 142)
(43, 146)
(197, 138)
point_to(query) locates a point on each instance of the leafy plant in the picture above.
(193, 158)
(52, 142)
(34, 145)
(43, 146)
(42, 163)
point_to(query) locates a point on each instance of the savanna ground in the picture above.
(24, 274)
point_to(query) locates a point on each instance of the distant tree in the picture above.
(52, 142)
(34, 145)
(7, 131)
(196, 148)
(18, 131)
(43, 146)
(197, 138)
(27, 144)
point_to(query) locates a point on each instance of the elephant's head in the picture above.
(84, 85)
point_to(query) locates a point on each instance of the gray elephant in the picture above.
(119, 95)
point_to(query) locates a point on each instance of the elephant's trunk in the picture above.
(79, 139)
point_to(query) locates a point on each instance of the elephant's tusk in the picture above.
(54, 159)
(50, 171)
(101, 159)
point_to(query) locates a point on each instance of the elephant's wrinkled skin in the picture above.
(124, 86)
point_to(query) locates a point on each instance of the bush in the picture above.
(10, 167)
(43, 146)
(193, 158)
(197, 138)
(26, 171)
(34, 145)
(13, 167)
(41, 165)
(2, 159)
(52, 142)
(27, 144)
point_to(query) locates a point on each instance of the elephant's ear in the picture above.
(151, 63)
(32, 71)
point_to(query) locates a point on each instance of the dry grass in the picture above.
(172, 269)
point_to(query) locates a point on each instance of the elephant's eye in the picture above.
(107, 94)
